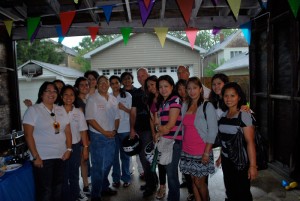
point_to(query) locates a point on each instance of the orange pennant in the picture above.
(66, 19)
(93, 32)
(186, 7)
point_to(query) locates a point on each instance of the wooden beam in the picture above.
(22, 10)
(163, 9)
(128, 10)
(55, 6)
(196, 9)
(95, 17)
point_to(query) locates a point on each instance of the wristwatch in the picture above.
(34, 157)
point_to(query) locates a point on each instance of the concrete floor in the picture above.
(267, 187)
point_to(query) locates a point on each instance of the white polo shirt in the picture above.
(49, 145)
(77, 123)
(105, 112)
(124, 116)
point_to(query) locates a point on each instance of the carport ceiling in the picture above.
(126, 13)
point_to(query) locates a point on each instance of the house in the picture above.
(238, 65)
(232, 46)
(33, 74)
(144, 50)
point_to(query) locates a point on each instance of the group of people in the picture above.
(67, 125)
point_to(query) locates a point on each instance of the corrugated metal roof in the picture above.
(237, 62)
(60, 70)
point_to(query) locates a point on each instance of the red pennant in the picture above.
(147, 3)
(186, 7)
(93, 32)
(66, 19)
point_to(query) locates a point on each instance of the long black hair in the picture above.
(196, 81)
(239, 91)
(122, 92)
(170, 80)
(150, 96)
(43, 88)
(214, 98)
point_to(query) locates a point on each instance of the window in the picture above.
(234, 53)
(151, 70)
(128, 70)
(105, 72)
(173, 69)
(162, 69)
(117, 71)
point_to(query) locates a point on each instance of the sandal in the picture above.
(126, 184)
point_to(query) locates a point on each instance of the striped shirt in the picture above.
(164, 110)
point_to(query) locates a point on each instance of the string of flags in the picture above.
(185, 6)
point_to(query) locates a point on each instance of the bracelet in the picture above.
(69, 149)
(86, 146)
(252, 166)
(157, 128)
(206, 154)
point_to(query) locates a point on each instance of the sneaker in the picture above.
(190, 197)
(116, 184)
(82, 197)
(109, 192)
(126, 184)
(161, 192)
(86, 190)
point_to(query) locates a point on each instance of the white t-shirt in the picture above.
(124, 116)
(77, 123)
(105, 112)
(48, 144)
(206, 92)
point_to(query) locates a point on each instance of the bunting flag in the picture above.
(264, 4)
(126, 31)
(161, 33)
(59, 33)
(191, 34)
(147, 3)
(144, 11)
(93, 32)
(186, 7)
(32, 23)
(215, 31)
(294, 4)
(8, 24)
(66, 19)
(34, 34)
(235, 6)
(107, 12)
(246, 29)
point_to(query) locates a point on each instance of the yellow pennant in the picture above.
(161, 33)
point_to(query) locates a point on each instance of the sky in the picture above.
(70, 41)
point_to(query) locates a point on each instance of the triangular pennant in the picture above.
(144, 11)
(161, 33)
(126, 31)
(294, 4)
(32, 23)
(107, 12)
(147, 3)
(235, 6)
(186, 7)
(59, 33)
(34, 34)
(215, 31)
(246, 29)
(191, 34)
(8, 25)
(93, 32)
(66, 19)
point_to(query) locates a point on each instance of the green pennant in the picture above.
(32, 23)
(126, 31)
(294, 4)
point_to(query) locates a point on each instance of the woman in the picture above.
(170, 118)
(79, 135)
(152, 94)
(215, 97)
(125, 101)
(102, 115)
(92, 77)
(48, 136)
(82, 87)
(180, 88)
(198, 136)
(237, 182)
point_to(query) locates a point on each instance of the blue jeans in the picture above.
(125, 159)
(102, 151)
(71, 179)
(172, 173)
(49, 180)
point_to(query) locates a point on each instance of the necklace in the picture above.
(56, 124)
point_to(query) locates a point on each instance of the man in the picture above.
(184, 73)
(140, 124)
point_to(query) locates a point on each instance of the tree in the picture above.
(209, 70)
(40, 50)
(86, 45)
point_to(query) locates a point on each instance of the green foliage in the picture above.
(86, 45)
(40, 50)
(209, 70)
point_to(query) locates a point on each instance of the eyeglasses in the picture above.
(50, 92)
